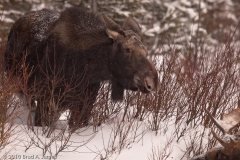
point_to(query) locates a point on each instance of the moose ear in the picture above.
(131, 24)
(112, 29)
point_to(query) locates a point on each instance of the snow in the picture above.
(7, 20)
(38, 7)
(103, 142)
(134, 141)
(186, 3)
(118, 10)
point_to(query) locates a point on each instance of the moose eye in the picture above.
(127, 50)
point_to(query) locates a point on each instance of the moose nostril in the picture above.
(149, 84)
(149, 87)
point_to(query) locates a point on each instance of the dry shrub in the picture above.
(49, 95)
(191, 82)
(9, 106)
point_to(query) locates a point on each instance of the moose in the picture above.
(67, 55)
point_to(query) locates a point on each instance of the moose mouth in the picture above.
(143, 89)
(145, 85)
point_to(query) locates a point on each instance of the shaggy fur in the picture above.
(67, 55)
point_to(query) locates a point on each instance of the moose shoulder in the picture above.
(81, 50)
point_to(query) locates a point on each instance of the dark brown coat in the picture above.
(78, 50)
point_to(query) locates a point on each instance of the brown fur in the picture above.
(81, 50)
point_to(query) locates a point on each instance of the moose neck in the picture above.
(95, 49)
(91, 46)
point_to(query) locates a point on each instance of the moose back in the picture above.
(62, 58)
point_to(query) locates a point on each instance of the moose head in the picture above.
(128, 59)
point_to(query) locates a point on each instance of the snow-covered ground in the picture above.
(115, 140)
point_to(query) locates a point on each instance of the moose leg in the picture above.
(80, 115)
(38, 116)
(88, 103)
(42, 115)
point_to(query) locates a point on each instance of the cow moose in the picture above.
(78, 50)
